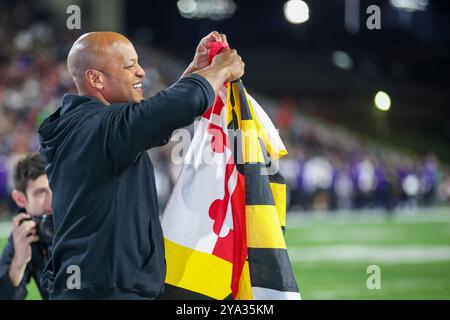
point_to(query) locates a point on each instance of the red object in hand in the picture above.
(215, 48)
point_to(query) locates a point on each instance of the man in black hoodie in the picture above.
(108, 241)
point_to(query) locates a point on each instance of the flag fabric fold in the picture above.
(224, 222)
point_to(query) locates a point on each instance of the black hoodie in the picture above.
(104, 197)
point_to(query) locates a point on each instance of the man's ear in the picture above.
(95, 78)
(19, 198)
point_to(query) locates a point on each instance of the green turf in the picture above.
(347, 279)
(331, 279)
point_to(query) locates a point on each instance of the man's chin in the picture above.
(138, 97)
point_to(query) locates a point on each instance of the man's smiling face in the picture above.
(122, 74)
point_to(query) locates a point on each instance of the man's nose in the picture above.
(140, 72)
(49, 208)
(48, 204)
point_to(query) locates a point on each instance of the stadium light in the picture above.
(187, 8)
(206, 9)
(342, 60)
(410, 5)
(296, 11)
(382, 101)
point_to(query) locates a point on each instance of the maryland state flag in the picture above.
(224, 222)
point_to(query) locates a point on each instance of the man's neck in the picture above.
(96, 95)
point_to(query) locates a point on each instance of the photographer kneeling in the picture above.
(27, 250)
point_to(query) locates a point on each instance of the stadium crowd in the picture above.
(330, 168)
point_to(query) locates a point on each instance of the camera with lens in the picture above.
(44, 227)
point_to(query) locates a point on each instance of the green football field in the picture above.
(331, 254)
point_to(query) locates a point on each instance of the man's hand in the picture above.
(230, 60)
(226, 66)
(24, 233)
(201, 57)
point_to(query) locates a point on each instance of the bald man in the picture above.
(108, 242)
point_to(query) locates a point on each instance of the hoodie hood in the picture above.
(55, 128)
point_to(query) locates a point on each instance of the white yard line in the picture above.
(370, 254)
(312, 219)
(367, 234)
